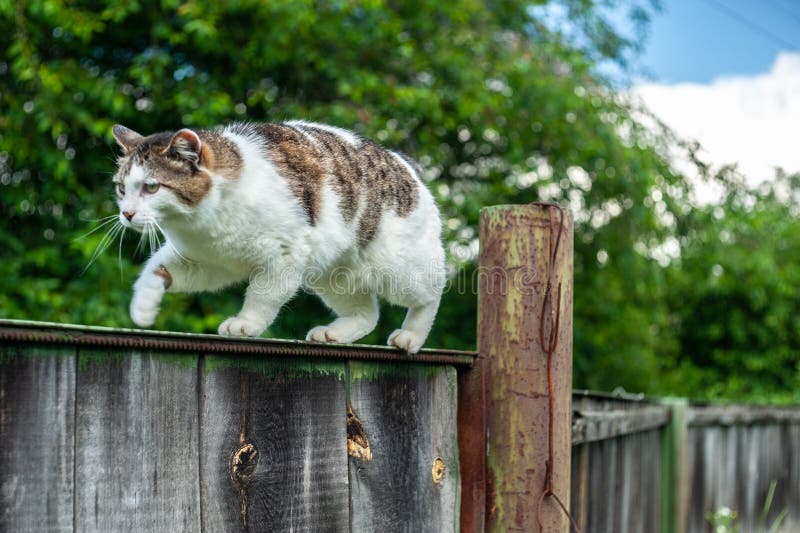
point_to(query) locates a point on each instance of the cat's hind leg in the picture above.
(357, 316)
(416, 327)
(417, 284)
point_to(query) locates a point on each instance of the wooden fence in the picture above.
(734, 453)
(173, 436)
(112, 439)
(641, 465)
(616, 457)
(124, 430)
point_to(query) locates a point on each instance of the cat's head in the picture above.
(161, 176)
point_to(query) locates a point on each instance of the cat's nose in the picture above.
(128, 214)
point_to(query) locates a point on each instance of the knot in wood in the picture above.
(243, 464)
(357, 441)
(438, 470)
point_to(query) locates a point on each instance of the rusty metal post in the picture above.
(521, 258)
(472, 446)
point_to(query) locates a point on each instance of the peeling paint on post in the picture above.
(516, 243)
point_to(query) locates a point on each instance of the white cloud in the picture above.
(752, 120)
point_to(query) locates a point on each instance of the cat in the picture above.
(284, 206)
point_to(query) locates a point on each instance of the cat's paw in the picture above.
(144, 308)
(407, 340)
(323, 334)
(240, 326)
(343, 330)
(341, 335)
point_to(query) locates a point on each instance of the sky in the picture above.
(727, 73)
(699, 40)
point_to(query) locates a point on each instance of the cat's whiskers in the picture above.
(148, 240)
(96, 251)
(140, 245)
(101, 219)
(151, 237)
(108, 238)
(119, 255)
(156, 238)
(105, 221)
(174, 249)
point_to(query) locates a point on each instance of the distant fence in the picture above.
(734, 453)
(616, 453)
(644, 466)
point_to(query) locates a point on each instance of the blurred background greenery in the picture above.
(671, 296)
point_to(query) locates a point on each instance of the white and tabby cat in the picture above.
(284, 206)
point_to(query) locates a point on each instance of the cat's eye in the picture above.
(152, 187)
(121, 189)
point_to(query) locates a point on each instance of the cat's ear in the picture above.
(186, 144)
(126, 137)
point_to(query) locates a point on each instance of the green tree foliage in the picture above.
(734, 297)
(500, 101)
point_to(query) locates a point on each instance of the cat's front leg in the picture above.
(149, 289)
(166, 271)
(268, 290)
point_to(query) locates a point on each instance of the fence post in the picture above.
(674, 468)
(472, 446)
(521, 255)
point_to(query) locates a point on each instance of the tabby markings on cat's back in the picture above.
(367, 178)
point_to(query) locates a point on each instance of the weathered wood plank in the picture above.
(616, 483)
(408, 416)
(650, 480)
(588, 426)
(282, 423)
(629, 493)
(728, 415)
(136, 442)
(732, 465)
(579, 496)
(37, 417)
